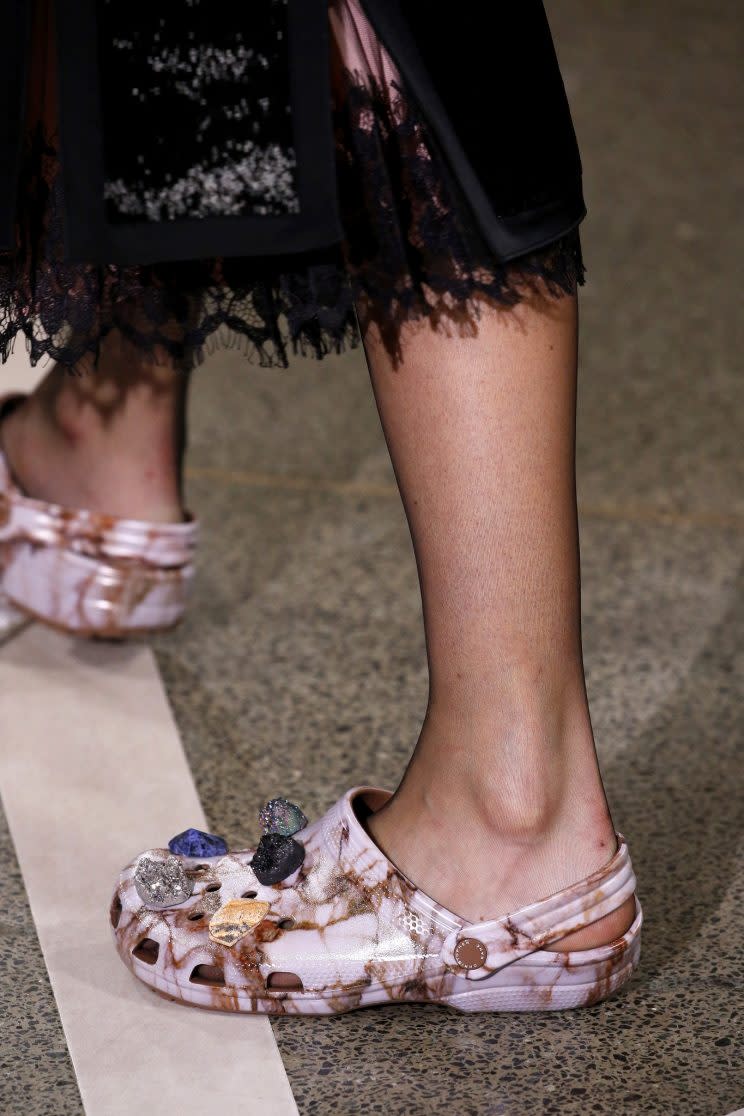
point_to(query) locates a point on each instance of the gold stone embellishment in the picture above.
(233, 921)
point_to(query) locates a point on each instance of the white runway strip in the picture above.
(92, 772)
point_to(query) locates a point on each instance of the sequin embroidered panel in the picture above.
(196, 109)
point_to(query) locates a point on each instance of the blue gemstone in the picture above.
(192, 842)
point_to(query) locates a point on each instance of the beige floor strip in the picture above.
(91, 772)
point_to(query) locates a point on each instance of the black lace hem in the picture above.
(413, 248)
(411, 252)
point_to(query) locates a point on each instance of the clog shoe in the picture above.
(318, 921)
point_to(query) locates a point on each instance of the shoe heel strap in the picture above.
(20, 519)
(482, 948)
(97, 536)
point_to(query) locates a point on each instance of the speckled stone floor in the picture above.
(300, 668)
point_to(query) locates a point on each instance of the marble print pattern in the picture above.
(89, 573)
(352, 931)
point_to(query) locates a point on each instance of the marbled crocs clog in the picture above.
(345, 929)
(91, 574)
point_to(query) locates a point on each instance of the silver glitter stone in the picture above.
(281, 816)
(160, 880)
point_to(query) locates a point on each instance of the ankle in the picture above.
(63, 447)
(520, 773)
(502, 803)
(496, 811)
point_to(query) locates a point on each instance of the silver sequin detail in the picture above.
(161, 881)
(264, 175)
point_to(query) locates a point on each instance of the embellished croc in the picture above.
(318, 921)
(87, 573)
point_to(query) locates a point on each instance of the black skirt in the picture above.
(265, 184)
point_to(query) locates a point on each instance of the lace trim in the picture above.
(413, 248)
(411, 251)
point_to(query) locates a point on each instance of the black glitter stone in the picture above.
(276, 858)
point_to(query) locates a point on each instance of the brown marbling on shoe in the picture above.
(348, 930)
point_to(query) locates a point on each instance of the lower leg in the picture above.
(502, 802)
(109, 439)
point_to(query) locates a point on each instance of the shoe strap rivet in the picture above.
(469, 953)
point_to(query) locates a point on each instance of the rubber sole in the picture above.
(115, 635)
(538, 987)
(82, 596)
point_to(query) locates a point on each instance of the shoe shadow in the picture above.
(679, 792)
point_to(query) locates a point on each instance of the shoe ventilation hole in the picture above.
(115, 911)
(196, 916)
(249, 895)
(287, 982)
(213, 887)
(147, 951)
(412, 922)
(286, 924)
(207, 974)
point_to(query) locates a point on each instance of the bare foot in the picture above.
(484, 852)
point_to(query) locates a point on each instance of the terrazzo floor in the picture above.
(300, 669)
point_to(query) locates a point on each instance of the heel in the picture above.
(92, 574)
(553, 981)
